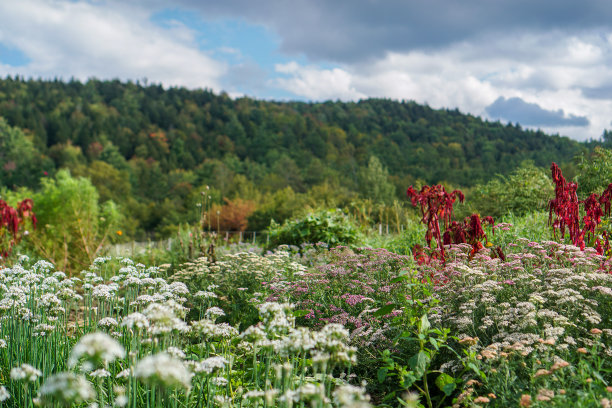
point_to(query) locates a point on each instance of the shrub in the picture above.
(329, 226)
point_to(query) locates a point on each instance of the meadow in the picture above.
(512, 312)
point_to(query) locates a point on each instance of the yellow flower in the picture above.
(119, 232)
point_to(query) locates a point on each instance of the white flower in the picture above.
(164, 370)
(176, 352)
(135, 320)
(4, 394)
(95, 348)
(25, 372)
(107, 322)
(214, 312)
(210, 364)
(205, 295)
(66, 389)
(100, 373)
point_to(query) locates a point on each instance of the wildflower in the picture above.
(176, 352)
(164, 370)
(65, 389)
(559, 364)
(582, 350)
(481, 399)
(96, 348)
(211, 364)
(107, 322)
(25, 372)
(525, 400)
(351, 396)
(135, 320)
(100, 373)
(470, 341)
(545, 395)
(214, 312)
(4, 394)
(542, 372)
(219, 381)
(596, 331)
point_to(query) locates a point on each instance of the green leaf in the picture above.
(424, 325)
(434, 343)
(385, 310)
(382, 374)
(446, 383)
(418, 363)
(300, 313)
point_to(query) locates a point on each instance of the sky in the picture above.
(544, 64)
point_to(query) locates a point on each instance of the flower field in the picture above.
(327, 328)
(507, 314)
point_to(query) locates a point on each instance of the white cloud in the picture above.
(317, 84)
(83, 40)
(546, 70)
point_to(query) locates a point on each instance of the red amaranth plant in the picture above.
(566, 208)
(435, 203)
(469, 231)
(11, 220)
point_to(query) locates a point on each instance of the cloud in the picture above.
(84, 40)
(317, 84)
(348, 31)
(531, 114)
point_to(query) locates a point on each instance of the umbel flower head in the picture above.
(164, 370)
(65, 389)
(96, 349)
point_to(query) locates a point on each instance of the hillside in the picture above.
(167, 142)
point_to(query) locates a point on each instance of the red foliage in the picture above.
(470, 232)
(436, 204)
(566, 208)
(10, 221)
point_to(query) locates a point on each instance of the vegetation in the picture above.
(476, 298)
(152, 151)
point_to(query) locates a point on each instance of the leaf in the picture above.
(418, 363)
(425, 325)
(434, 343)
(385, 310)
(446, 383)
(300, 313)
(382, 374)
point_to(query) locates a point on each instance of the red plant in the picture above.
(470, 232)
(566, 207)
(435, 204)
(10, 221)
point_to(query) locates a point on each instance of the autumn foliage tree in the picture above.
(231, 216)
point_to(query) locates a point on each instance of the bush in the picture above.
(329, 226)
(525, 190)
(73, 226)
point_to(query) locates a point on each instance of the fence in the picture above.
(224, 237)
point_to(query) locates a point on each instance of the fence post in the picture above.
(254, 236)
(379, 229)
(240, 238)
(387, 229)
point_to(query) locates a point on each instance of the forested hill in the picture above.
(301, 144)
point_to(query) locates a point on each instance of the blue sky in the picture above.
(545, 64)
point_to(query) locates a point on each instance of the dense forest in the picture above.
(153, 150)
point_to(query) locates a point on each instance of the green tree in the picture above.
(526, 189)
(374, 182)
(594, 171)
(20, 163)
(73, 227)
